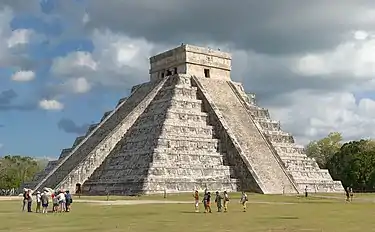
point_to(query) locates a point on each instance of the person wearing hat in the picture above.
(38, 202)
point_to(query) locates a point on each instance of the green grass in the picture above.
(311, 214)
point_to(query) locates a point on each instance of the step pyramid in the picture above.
(190, 127)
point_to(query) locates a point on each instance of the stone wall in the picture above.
(192, 60)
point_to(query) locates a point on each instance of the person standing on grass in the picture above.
(196, 199)
(69, 200)
(209, 202)
(29, 200)
(55, 202)
(306, 191)
(244, 200)
(351, 194)
(44, 199)
(205, 200)
(226, 201)
(218, 200)
(24, 201)
(347, 190)
(62, 201)
(38, 202)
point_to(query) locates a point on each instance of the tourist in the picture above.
(243, 201)
(208, 202)
(38, 202)
(226, 201)
(205, 197)
(351, 194)
(218, 200)
(69, 200)
(61, 200)
(196, 198)
(24, 201)
(347, 190)
(55, 202)
(29, 200)
(44, 199)
(306, 191)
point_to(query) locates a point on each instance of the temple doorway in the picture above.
(78, 188)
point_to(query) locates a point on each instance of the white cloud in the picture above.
(79, 85)
(354, 58)
(23, 76)
(19, 37)
(74, 63)
(117, 60)
(51, 105)
(312, 115)
(360, 35)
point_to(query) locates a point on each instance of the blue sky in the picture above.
(63, 63)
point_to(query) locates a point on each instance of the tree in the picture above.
(15, 170)
(323, 149)
(354, 164)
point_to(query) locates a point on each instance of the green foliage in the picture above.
(15, 170)
(354, 165)
(322, 150)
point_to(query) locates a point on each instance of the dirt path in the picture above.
(139, 202)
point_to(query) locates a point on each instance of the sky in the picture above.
(63, 63)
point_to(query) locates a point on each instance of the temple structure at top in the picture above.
(189, 127)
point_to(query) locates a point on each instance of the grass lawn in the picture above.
(311, 214)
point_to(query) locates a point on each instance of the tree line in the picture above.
(15, 170)
(352, 162)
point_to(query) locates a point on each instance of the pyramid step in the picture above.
(91, 128)
(258, 112)
(78, 141)
(269, 126)
(122, 100)
(105, 115)
(179, 103)
(145, 131)
(65, 152)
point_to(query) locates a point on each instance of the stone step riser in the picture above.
(269, 126)
(280, 138)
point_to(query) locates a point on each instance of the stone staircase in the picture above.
(261, 159)
(304, 170)
(76, 164)
(171, 147)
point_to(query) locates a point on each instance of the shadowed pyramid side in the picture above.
(88, 153)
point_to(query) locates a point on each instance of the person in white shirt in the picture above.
(62, 200)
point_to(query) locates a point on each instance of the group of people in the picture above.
(220, 200)
(61, 201)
